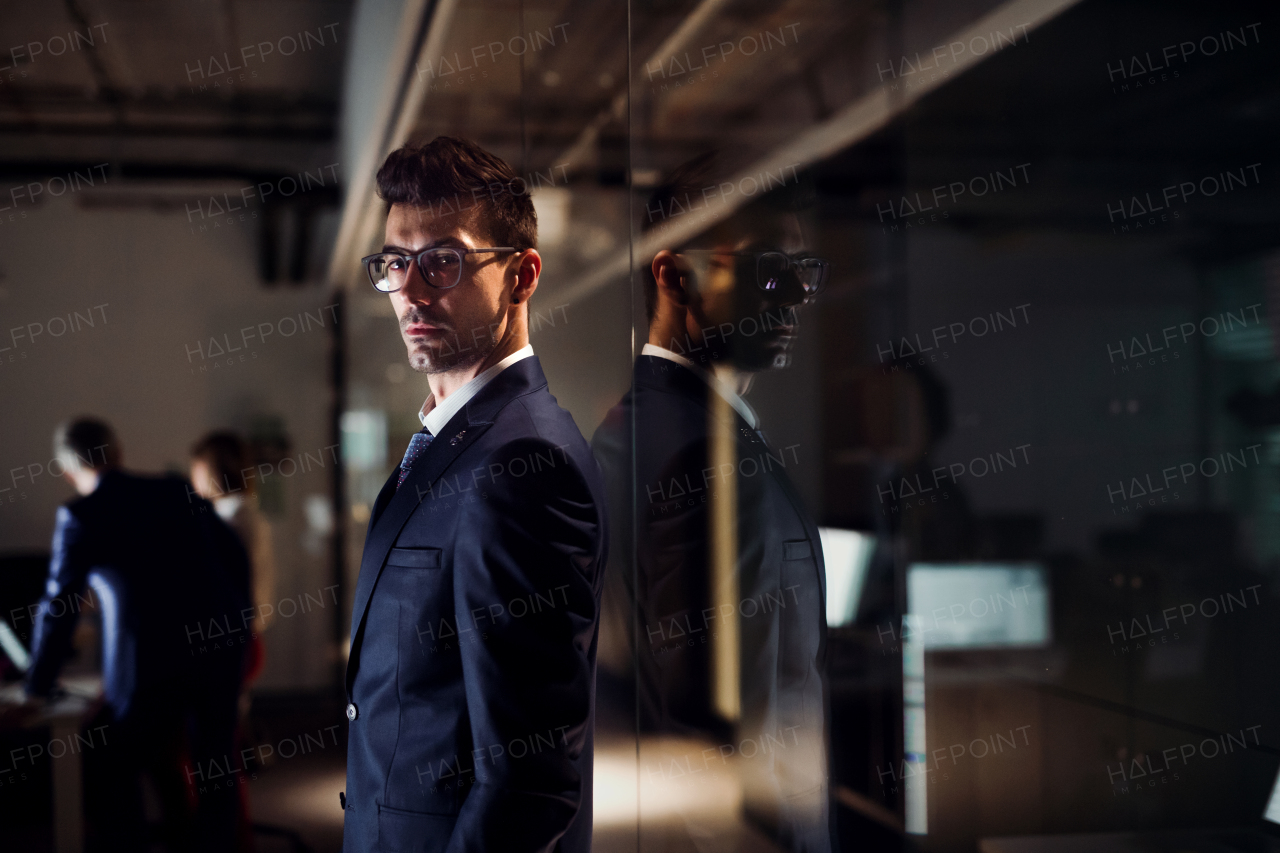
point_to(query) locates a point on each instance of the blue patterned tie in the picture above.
(417, 446)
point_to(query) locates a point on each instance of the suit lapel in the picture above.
(384, 498)
(751, 444)
(403, 501)
(459, 434)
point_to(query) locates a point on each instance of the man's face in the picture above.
(739, 320)
(457, 327)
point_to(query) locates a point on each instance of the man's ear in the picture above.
(527, 272)
(672, 277)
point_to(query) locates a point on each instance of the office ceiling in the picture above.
(1046, 98)
(212, 88)
(203, 87)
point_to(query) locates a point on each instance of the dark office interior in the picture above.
(1034, 410)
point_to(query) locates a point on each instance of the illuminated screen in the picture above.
(978, 605)
(1273, 803)
(847, 554)
(13, 647)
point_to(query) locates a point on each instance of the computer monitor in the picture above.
(978, 605)
(847, 555)
(1272, 812)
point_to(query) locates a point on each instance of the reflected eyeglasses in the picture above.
(440, 267)
(773, 267)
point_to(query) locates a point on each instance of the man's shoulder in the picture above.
(121, 493)
(168, 488)
(668, 409)
(658, 411)
(533, 430)
(533, 415)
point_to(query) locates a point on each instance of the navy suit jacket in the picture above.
(473, 636)
(165, 572)
(654, 447)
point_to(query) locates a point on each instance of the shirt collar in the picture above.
(436, 419)
(732, 397)
(227, 506)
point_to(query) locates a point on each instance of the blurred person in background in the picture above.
(222, 471)
(714, 551)
(165, 570)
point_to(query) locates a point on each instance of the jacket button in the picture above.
(352, 713)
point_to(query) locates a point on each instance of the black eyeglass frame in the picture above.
(416, 258)
(824, 270)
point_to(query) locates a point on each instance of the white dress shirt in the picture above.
(715, 383)
(435, 416)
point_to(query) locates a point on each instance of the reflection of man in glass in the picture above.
(721, 562)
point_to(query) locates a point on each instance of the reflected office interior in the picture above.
(1031, 413)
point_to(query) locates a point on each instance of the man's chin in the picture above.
(425, 360)
(422, 363)
(772, 357)
(433, 363)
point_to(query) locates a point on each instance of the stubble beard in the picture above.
(450, 352)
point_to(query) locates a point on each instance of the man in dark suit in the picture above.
(721, 563)
(162, 568)
(471, 680)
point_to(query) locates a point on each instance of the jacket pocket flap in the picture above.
(796, 549)
(414, 558)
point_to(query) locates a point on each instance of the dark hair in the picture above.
(676, 193)
(90, 440)
(685, 190)
(227, 455)
(460, 175)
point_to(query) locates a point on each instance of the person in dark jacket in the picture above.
(714, 552)
(170, 581)
(471, 680)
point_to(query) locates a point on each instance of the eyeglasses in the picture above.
(772, 268)
(440, 267)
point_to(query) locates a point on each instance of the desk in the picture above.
(64, 718)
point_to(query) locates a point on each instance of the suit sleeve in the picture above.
(58, 610)
(525, 567)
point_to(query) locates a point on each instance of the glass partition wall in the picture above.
(927, 352)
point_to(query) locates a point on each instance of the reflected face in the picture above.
(743, 316)
(457, 327)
